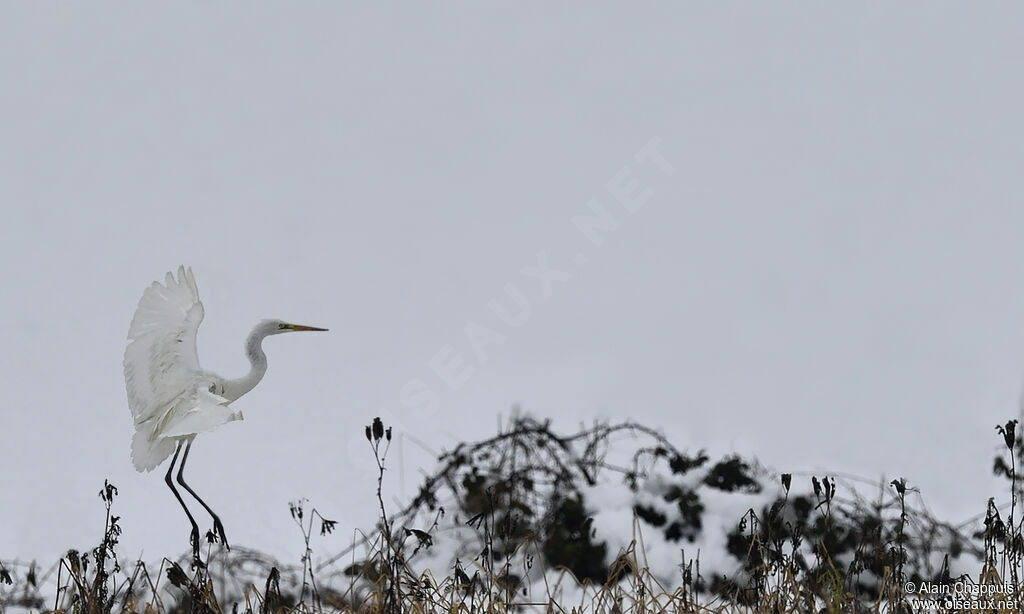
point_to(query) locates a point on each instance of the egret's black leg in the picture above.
(218, 528)
(194, 537)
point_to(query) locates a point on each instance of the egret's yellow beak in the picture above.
(301, 327)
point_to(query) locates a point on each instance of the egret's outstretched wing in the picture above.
(161, 361)
(161, 366)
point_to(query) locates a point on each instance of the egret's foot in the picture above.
(218, 530)
(194, 540)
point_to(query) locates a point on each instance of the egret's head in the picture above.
(276, 327)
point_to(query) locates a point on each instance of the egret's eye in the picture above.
(282, 326)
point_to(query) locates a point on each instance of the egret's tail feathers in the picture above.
(146, 454)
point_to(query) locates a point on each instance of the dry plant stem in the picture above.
(1015, 529)
(306, 528)
(393, 595)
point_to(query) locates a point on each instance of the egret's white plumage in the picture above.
(168, 392)
(171, 397)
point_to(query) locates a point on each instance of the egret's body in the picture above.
(171, 397)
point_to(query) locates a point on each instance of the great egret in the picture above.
(171, 397)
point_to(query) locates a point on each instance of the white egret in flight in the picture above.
(171, 397)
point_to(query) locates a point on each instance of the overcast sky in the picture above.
(786, 230)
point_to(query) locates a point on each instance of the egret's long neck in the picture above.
(234, 388)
